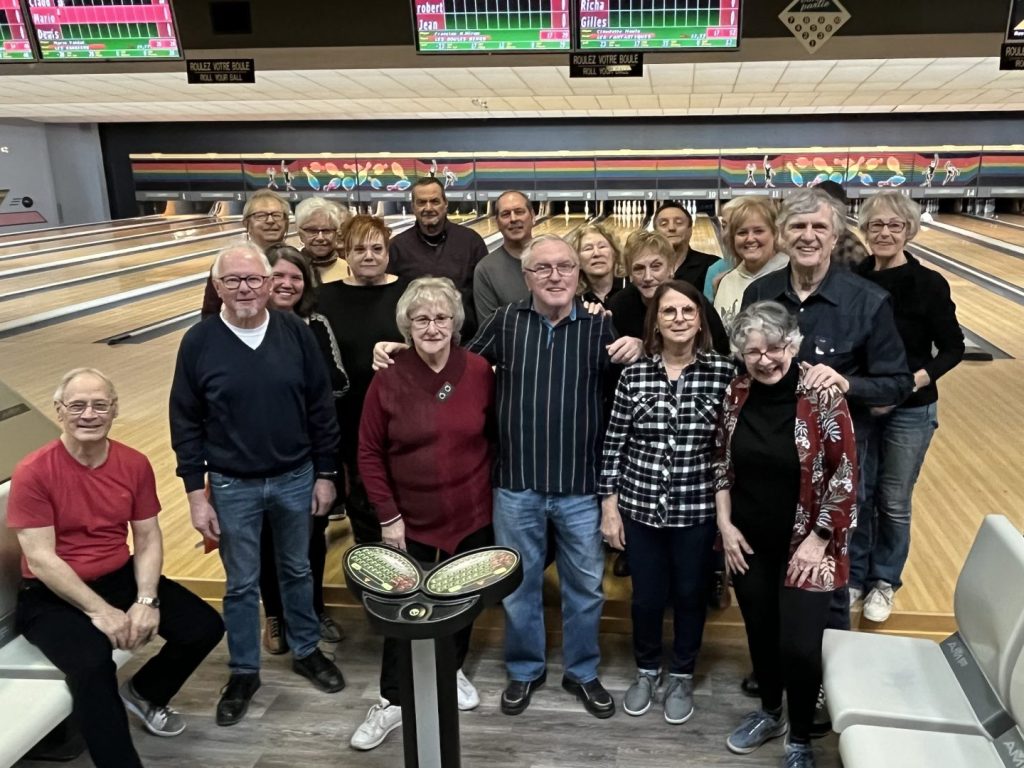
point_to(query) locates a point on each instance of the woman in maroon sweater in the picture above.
(425, 458)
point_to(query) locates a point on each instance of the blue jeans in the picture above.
(242, 507)
(669, 566)
(890, 467)
(521, 522)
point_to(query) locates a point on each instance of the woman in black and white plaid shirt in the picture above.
(657, 489)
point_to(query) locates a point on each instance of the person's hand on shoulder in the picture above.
(383, 353)
(625, 350)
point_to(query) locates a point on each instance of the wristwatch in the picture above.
(152, 602)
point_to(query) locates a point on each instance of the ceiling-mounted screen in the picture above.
(658, 24)
(470, 26)
(14, 37)
(105, 29)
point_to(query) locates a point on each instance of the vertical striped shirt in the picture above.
(549, 396)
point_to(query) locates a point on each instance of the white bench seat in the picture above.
(868, 746)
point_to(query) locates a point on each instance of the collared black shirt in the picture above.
(694, 270)
(847, 324)
(454, 254)
(549, 396)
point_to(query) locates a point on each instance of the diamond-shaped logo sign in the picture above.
(813, 22)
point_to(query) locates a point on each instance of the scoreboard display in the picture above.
(658, 24)
(471, 26)
(104, 29)
(14, 38)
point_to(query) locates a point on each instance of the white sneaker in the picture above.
(381, 720)
(468, 696)
(855, 595)
(878, 603)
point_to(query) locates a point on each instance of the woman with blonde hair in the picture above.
(601, 271)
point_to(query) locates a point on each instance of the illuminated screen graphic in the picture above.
(654, 24)
(14, 39)
(105, 29)
(456, 26)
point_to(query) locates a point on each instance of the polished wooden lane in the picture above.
(979, 257)
(1013, 218)
(102, 258)
(970, 469)
(988, 227)
(28, 242)
(63, 229)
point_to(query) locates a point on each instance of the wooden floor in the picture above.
(290, 724)
(988, 227)
(972, 467)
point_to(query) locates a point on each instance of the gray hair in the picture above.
(265, 194)
(768, 318)
(243, 246)
(430, 290)
(540, 240)
(806, 201)
(74, 373)
(899, 204)
(311, 206)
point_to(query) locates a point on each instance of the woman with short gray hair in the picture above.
(928, 326)
(319, 223)
(785, 480)
(425, 457)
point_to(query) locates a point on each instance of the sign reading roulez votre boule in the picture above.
(1012, 52)
(217, 71)
(610, 64)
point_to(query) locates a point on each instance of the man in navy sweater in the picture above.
(251, 410)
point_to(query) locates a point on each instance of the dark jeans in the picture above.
(784, 631)
(429, 556)
(270, 590)
(66, 636)
(669, 566)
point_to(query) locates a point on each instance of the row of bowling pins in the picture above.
(629, 209)
(983, 207)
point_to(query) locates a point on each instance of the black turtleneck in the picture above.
(767, 468)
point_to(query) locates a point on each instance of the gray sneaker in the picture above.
(678, 699)
(640, 694)
(754, 730)
(798, 756)
(160, 721)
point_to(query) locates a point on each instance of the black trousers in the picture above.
(784, 631)
(67, 637)
(270, 590)
(430, 556)
(361, 514)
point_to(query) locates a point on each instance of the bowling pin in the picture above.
(586, 209)
(565, 211)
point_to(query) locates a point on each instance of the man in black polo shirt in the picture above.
(550, 356)
(676, 224)
(438, 247)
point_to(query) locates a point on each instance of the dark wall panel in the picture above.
(120, 140)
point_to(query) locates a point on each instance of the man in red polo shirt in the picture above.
(84, 594)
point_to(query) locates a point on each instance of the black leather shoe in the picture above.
(235, 698)
(595, 698)
(621, 565)
(750, 687)
(516, 696)
(320, 671)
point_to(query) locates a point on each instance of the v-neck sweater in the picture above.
(425, 451)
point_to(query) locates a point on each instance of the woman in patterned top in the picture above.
(292, 290)
(657, 489)
(785, 480)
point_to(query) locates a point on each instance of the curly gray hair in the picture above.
(427, 291)
(768, 318)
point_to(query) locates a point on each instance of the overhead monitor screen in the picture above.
(658, 24)
(105, 29)
(468, 26)
(14, 39)
(1015, 26)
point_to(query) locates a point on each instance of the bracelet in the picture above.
(822, 533)
(326, 475)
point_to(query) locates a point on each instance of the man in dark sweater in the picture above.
(676, 224)
(437, 247)
(251, 411)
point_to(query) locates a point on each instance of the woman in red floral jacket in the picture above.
(785, 480)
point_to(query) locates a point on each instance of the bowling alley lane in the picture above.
(156, 240)
(988, 227)
(974, 255)
(26, 242)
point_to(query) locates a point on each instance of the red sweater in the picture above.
(427, 458)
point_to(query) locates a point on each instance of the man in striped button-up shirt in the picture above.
(550, 356)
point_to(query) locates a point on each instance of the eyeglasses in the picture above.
(669, 314)
(772, 353)
(544, 271)
(234, 282)
(264, 216)
(318, 231)
(895, 226)
(78, 407)
(422, 322)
